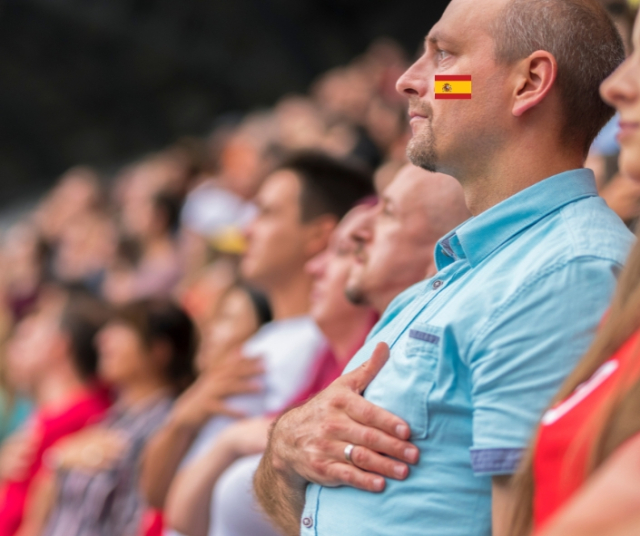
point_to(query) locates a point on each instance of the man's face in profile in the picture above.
(394, 244)
(276, 237)
(450, 133)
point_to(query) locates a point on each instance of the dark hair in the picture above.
(260, 302)
(169, 206)
(329, 185)
(162, 320)
(585, 43)
(82, 317)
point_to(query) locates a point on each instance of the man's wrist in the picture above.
(280, 462)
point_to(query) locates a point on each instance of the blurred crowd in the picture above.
(153, 323)
(118, 293)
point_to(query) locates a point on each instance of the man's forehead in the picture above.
(407, 188)
(355, 218)
(280, 185)
(463, 18)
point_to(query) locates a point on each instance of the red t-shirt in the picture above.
(49, 427)
(565, 440)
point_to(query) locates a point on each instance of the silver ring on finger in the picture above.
(347, 453)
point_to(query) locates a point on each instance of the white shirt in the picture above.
(288, 349)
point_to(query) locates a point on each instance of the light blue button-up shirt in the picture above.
(478, 351)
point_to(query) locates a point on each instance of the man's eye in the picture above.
(442, 55)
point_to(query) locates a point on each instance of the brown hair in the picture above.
(617, 420)
(584, 42)
(161, 319)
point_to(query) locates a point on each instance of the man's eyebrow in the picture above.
(435, 38)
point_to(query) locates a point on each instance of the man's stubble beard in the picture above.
(355, 296)
(421, 149)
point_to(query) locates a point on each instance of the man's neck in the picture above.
(290, 297)
(514, 170)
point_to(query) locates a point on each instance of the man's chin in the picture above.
(421, 150)
(420, 157)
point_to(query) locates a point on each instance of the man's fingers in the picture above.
(372, 462)
(360, 378)
(368, 414)
(345, 474)
(378, 441)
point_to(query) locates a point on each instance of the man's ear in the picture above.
(536, 76)
(318, 233)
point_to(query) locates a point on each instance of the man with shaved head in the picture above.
(422, 432)
(396, 239)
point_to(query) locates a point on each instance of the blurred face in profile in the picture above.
(622, 90)
(330, 271)
(234, 322)
(394, 242)
(30, 351)
(276, 238)
(123, 356)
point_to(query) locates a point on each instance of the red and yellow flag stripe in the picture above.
(453, 86)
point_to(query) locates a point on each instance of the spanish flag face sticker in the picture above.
(453, 86)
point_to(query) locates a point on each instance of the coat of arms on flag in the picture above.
(452, 86)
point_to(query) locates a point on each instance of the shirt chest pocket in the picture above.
(404, 385)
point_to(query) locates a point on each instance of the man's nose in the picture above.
(414, 81)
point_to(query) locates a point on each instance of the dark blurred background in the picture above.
(100, 82)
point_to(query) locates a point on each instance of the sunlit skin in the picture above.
(622, 90)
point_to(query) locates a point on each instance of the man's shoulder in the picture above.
(587, 228)
(593, 229)
(585, 231)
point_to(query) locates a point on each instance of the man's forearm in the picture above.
(280, 493)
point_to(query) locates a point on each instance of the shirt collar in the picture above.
(478, 237)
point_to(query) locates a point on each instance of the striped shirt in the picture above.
(109, 503)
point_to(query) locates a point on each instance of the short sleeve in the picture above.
(525, 350)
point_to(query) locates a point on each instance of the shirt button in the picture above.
(307, 522)
(437, 284)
